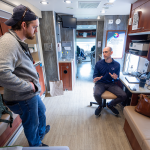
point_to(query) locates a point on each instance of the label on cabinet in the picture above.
(130, 21)
(135, 21)
(59, 47)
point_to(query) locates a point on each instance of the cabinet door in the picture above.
(65, 75)
(144, 20)
(41, 78)
(0, 31)
(4, 28)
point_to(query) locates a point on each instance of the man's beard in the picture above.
(29, 36)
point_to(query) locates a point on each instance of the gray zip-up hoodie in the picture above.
(16, 69)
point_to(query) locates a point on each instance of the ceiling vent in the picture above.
(88, 4)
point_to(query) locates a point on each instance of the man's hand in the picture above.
(33, 86)
(96, 79)
(114, 76)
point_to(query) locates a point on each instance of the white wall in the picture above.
(9, 9)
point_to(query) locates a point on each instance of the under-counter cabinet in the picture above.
(143, 31)
(41, 77)
(67, 75)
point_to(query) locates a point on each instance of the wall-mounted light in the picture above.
(98, 17)
(67, 1)
(44, 2)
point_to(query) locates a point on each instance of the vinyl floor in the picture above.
(74, 124)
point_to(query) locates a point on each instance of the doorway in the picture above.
(86, 48)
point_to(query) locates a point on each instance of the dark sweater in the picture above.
(103, 69)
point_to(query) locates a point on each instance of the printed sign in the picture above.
(135, 21)
(116, 40)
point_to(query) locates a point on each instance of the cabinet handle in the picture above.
(65, 71)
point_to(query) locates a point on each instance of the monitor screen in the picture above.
(69, 22)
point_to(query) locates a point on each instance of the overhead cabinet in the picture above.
(143, 11)
(142, 27)
(86, 33)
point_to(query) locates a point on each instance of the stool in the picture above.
(104, 96)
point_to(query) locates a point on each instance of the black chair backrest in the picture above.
(78, 50)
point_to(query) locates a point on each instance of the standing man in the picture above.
(105, 73)
(18, 75)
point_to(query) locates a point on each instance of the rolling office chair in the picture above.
(104, 96)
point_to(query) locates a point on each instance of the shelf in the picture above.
(139, 33)
(86, 37)
(137, 55)
(90, 33)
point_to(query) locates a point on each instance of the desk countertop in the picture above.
(133, 85)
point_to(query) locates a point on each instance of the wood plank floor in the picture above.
(74, 124)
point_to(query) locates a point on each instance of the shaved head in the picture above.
(107, 52)
(110, 49)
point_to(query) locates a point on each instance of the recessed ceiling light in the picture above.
(98, 17)
(111, 1)
(103, 11)
(44, 2)
(67, 1)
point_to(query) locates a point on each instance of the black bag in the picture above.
(4, 110)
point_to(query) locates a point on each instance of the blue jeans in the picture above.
(32, 113)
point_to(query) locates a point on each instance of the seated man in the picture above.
(106, 72)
